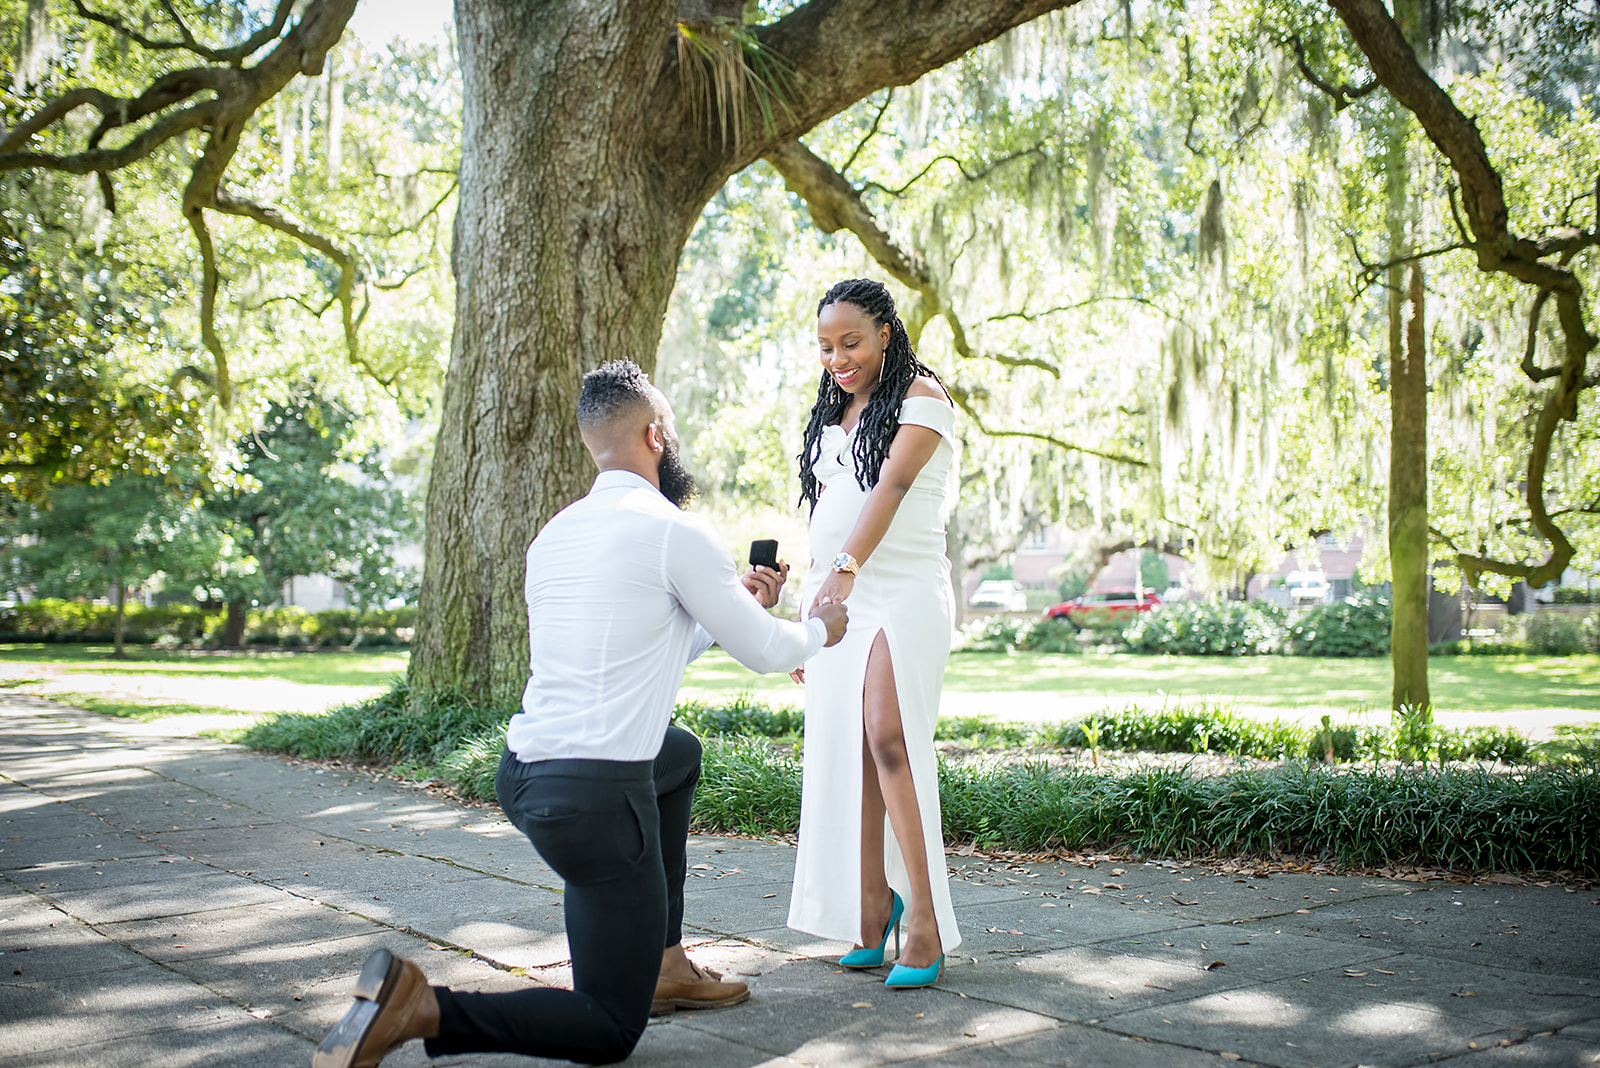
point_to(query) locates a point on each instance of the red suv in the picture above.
(1103, 606)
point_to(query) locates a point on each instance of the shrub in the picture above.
(400, 725)
(1216, 628)
(53, 620)
(1555, 634)
(744, 715)
(992, 634)
(1047, 636)
(1357, 627)
(1574, 595)
(1202, 728)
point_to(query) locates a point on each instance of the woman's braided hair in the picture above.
(881, 418)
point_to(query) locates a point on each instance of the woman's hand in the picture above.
(799, 674)
(835, 588)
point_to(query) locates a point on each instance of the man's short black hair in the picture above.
(611, 390)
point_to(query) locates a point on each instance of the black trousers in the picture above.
(615, 831)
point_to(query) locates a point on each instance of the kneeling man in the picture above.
(623, 590)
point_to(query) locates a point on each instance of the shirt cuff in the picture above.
(818, 630)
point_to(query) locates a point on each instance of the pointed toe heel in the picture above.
(872, 956)
(903, 978)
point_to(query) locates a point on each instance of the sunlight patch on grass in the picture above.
(319, 668)
(143, 711)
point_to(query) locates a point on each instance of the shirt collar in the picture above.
(618, 479)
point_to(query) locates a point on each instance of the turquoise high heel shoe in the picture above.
(872, 956)
(903, 978)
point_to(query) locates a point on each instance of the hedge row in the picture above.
(50, 620)
(1357, 627)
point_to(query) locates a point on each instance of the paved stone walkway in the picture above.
(177, 901)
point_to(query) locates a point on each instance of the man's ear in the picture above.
(653, 438)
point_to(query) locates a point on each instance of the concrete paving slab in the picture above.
(20, 853)
(1073, 1044)
(1257, 951)
(1274, 1026)
(1489, 997)
(1529, 927)
(287, 922)
(105, 1006)
(869, 1024)
(109, 871)
(240, 1041)
(1541, 1051)
(181, 895)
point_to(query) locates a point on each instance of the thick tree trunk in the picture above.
(233, 626)
(566, 250)
(1408, 508)
(584, 168)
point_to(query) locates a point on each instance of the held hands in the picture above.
(835, 588)
(834, 617)
(764, 583)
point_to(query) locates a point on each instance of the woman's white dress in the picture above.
(904, 591)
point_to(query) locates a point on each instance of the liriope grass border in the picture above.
(1539, 819)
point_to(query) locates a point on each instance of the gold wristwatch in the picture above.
(846, 563)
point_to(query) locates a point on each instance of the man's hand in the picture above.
(834, 616)
(765, 584)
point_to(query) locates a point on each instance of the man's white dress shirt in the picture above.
(623, 590)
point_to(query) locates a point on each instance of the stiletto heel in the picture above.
(903, 978)
(872, 956)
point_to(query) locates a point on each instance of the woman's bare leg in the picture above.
(887, 765)
(877, 900)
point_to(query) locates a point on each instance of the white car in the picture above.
(1004, 594)
(1306, 587)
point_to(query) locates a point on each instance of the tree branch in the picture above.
(239, 94)
(836, 205)
(963, 401)
(1341, 95)
(1148, 303)
(1529, 367)
(276, 219)
(235, 54)
(979, 176)
(888, 98)
(840, 52)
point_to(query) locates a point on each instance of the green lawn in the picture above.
(333, 668)
(1486, 684)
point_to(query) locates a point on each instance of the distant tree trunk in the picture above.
(1408, 506)
(1408, 420)
(121, 652)
(233, 628)
(955, 545)
(335, 113)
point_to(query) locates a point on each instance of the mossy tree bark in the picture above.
(1408, 503)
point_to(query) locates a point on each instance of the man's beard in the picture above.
(677, 484)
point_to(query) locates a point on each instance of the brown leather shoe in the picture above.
(387, 996)
(706, 992)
